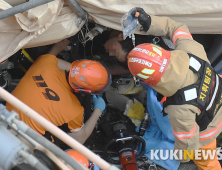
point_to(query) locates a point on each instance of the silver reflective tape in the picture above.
(214, 95)
(190, 94)
(180, 32)
(194, 63)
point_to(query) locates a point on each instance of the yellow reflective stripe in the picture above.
(148, 71)
(157, 51)
(142, 76)
(156, 46)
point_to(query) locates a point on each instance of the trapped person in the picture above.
(48, 87)
(108, 44)
(186, 78)
(117, 47)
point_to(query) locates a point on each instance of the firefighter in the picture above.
(50, 87)
(186, 78)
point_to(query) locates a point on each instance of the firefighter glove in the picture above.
(99, 103)
(143, 18)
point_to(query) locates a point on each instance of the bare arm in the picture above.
(82, 135)
(63, 65)
(58, 47)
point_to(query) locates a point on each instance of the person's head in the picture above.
(78, 157)
(119, 48)
(89, 76)
(148, 63)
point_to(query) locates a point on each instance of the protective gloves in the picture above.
(99, 103)
(143, 18)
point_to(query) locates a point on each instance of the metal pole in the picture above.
(54, 130)
(78, 9)
(22, 7)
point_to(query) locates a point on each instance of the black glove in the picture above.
(143, 18)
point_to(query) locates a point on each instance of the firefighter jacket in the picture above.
(177, 76)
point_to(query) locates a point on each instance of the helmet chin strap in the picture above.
(134, 40)
(136, 81)
(77, 90)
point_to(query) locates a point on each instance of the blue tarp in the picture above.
(159, 132)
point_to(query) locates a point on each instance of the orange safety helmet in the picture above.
(148, 62)
(78, 157)
(89, 76)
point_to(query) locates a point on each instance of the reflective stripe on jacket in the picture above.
(177, 76)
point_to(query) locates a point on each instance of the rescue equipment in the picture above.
(125, 147)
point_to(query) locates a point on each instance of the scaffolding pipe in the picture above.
(78, 9)
(39, 147)
(55, 130)
(34, 3)
(48, 144)
(22, 7)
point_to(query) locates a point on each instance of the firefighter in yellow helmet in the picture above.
(186, 78)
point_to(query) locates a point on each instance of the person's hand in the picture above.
(99, 103)
(143, 18)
